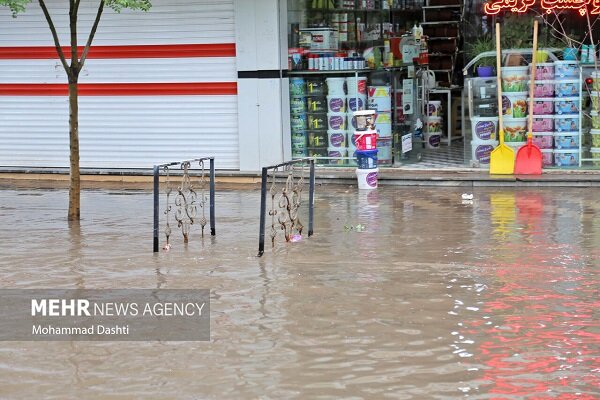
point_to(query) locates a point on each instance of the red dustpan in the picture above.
(529, 157)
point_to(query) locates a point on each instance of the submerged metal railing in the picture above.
(285, 201)
(184, 206)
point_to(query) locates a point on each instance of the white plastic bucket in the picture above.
(335, 86)
(434, 124)
(356, 102)
(514, 79)
(336, 122)
(566, 158)
(566, 140)
(514, 105)
(336, 104)
(380, 98)
(356, 85)
(336, 139)
(434, 108)
(432, 139)
(481, 150)
(367, 178)
(484, 128)
(337, 154)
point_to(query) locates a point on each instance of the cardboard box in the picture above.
(319, 39)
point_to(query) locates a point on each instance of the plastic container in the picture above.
(318, 152)
(434, 109)
(595, 98)
(433, 124)
(547, 157)
(316, 104)
(596, 81)
(544, 71)
(566, 158)
(297, 86)
(515, 145)
(595, 118)
(353, 100)
(384, 151)
(366, 159)
(336, 139)
(515, 129)
(362, 120)
(543, 140)
(336, 86)
(367, 178)
(337, 152)
(316, 121)
(567, 88)
(595, 134)
(566, 140)
(432, 139)
(315, 87)
(298, 104)
(354, 85)
(514, 79)
(366, 140)
(484, 128)
(336, 122)
(567, 123)
(543, 123)
(514, 105)
(567, 105)
(566, 69)
(543, 106)
(299, 153)
(543, 88)
(380, 98)
(298, 123)
(595, 154)
(317, 139)
(299, 143)
(481, 150)
(336, 104)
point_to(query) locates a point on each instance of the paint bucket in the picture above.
(433, 124)
(299, 144)
(297, 86)
(366, 140)
(366, 159)
(363, 119)
(484, 128)
(315, 87)
(514, 105)
(356, 102)
(566, 158)
(567, 123)
(547, 157)
(380, 98)
(367, 178)
(544, 71)
(566, 140)
(316, 104)
(434, 109)
(595, 133)
(543, 123)
(543, 140)
(298, 122)
(481, 150)
(336, 104)
(567, 88)
(336, 139)
(317, 139)
(317, 121)
(514, 79)
(297, 104)
(566, 70)
(384, 151)
(335, 86)
(543, 106)
(543, 88)
(567, 105)
(515, 129)
(337, 152)
(432, 139)
(336, 122)
(356, 85)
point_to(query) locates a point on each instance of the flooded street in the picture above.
(435, 299)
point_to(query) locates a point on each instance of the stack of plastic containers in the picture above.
(316, 117)
(484, 122)
(514, 105)
(365, 138)
(356, 100)
(380, 100)
(543, 111)
(298, 117)
(567, 104)
(337, 144)
(594, 113)
(434, 122)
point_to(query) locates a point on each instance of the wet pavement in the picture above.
(438, 298)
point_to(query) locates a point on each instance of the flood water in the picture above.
(433, 299)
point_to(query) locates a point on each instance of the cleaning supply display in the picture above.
(336, 121)
(544, 140)
(336, 103)
(336, 139)
(514, 79)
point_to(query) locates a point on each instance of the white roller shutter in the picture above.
(137, 110)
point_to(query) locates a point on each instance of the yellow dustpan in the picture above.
(502, 159)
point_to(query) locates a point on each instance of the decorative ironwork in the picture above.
(286, 200)
(186, 200)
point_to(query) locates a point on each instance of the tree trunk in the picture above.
(75, 187)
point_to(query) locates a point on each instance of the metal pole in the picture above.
(263, 210)
(311, 197)
(213, 228)
(156, 206)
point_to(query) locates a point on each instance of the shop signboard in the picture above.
(522, 6)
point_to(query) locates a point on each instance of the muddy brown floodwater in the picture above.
(435, 299)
